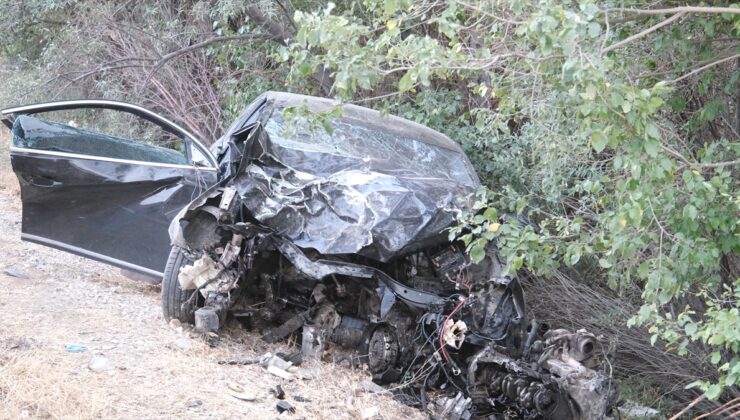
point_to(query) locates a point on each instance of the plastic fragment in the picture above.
(280, 373)
(283, 406)
(75, 348)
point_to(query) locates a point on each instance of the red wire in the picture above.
(444, 326)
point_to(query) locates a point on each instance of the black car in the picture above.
(335, 231)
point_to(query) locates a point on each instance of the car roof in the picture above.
(391, 123)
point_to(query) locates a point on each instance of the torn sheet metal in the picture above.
(374, 186)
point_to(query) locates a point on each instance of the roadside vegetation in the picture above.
(612, 126)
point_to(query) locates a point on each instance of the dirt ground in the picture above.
(147, 369)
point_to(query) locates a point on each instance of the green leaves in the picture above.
(406, 82)
(598, 141)
(594, 147)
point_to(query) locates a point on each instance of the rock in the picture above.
(631, 409)
(309, 373)
(301, 399)
(283, 406)
(175, 323)
(14, 272)
(212, 339)
(99, 364)
(183, 344)
(369, 413)
(193, 403)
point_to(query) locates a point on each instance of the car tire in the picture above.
(174, 299)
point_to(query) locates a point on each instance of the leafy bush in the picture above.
(575, 114)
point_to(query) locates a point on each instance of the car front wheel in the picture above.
(177, 303)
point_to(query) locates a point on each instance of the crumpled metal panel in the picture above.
(377, 186)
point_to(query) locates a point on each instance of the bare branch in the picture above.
(702, 68)
(720, 164)
(287, 14)
(643, 33)
(491, 15)
(280, 35)
(683, 9)
(167, 57)
(276, 30)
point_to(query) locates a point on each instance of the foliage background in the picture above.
(612, 126)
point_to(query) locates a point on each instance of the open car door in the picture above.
(109, 197)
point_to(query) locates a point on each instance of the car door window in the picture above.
(101, 133)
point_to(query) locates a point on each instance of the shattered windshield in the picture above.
(355, 144)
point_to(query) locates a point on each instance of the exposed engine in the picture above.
(337, 236)
(451, 335)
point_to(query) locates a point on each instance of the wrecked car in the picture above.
(333, 234)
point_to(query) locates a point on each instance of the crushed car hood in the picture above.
(373, 185)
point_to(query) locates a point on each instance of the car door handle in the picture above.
(40, 181)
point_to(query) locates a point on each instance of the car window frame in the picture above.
(192, 144)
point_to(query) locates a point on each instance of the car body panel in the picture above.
(380, 186)
(79, 197)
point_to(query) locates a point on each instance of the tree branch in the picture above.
(683, 9)
(720, 164)
(643, 33)
(167, 57)
(702, 68)
(280, 35)
(276, 30)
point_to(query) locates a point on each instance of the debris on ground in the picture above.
(75, 348)
(192, 403)
(239, 362)
(452, 408)
(278, 392)
(14, 272)
(238, 391)
(283, 406)
(296, 358)
(269, 359)
(369, 413)
(99, 364)
(183, 344)
(370, 387)
(308, 373)
(280, 373)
